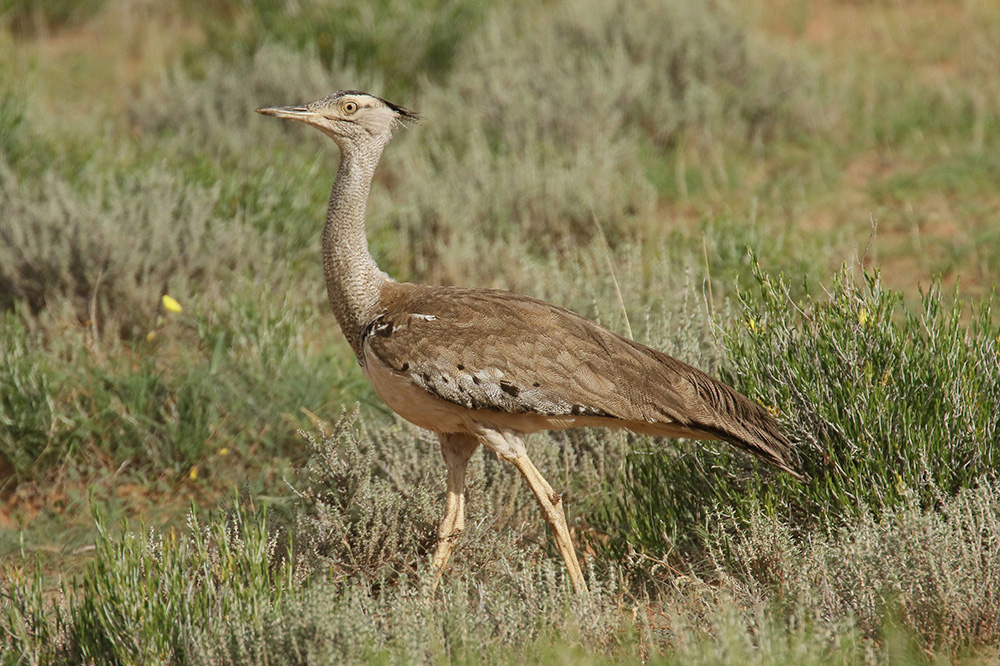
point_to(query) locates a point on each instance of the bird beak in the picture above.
(290, 112)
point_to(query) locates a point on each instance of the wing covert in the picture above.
(487, 349)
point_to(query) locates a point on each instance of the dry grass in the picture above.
(131, 165)
(934, 572)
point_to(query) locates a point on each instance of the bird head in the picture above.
(348, 116)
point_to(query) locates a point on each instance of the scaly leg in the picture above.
(509, 445)
(456, 449)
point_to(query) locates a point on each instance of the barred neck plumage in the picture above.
(353, 279)
(361, 125)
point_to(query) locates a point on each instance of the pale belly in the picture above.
(414, 403)
(422, 408)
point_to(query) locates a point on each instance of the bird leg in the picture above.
(456, 449)
(510, 446)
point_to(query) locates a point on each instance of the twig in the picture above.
(93, 313)
(708, 277)
(611, 267)
(871, 239)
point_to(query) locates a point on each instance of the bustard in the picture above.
(482, 366)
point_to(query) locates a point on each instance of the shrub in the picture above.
(28, 19)
(374, 497)
(552, 117)
(104, 258)
(366, 520)
(29, 415)
(403, 43)
(936, 572)
(146, 593)
(883, 402)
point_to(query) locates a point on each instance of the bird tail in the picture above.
(744, 424)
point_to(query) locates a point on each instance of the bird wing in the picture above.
(495, 350)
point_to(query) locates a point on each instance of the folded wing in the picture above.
(498, 351)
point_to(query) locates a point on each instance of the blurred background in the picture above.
(747, 186)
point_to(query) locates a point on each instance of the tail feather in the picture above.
(736, 419)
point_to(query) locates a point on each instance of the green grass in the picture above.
(615, 159)
(28, 413)
(348, 581)
(29, 19)
(887, 405)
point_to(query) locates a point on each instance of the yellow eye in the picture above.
(350, 107)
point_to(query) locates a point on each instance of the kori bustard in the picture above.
(481, 366)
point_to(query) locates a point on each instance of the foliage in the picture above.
(363, 523)
(601, 87)
(932, 571)
(239, 588)
(402, 41)
(28, 19)
(29, 416)
(147, 594)
(885, 404)
(887, 399)
(614, 158)
(107, 256)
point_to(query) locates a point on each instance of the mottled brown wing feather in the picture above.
(495, 350)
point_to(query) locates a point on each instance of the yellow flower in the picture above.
(150, 336)
(193, 474)
(223, 451)
(171, 304)
(863, 317)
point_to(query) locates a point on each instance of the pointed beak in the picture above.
(290, 112)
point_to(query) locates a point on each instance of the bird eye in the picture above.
(350, 107)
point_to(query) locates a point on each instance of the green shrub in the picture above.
(402, 43)
(226, 590)
(147, 417)
(349, 582)
(29, 417)
(374, 495)
(883, 402)
(363, 523)
(11, 120)
(30, 19)
(553, 118)
(105, 257)
(147, 594)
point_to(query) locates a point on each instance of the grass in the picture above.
(888, 406)
(620, 160)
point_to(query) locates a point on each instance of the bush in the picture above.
(104, 258)
(885, 403)
(373, 498)
(146, 594)
(402, 43)
(553, 118)
(29, 415)
(29, 19)
(367, 519)
(236, 589)
(935, 572)
(885, 400)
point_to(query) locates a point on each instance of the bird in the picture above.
(489, 367)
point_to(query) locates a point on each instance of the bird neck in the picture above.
(353, 280)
